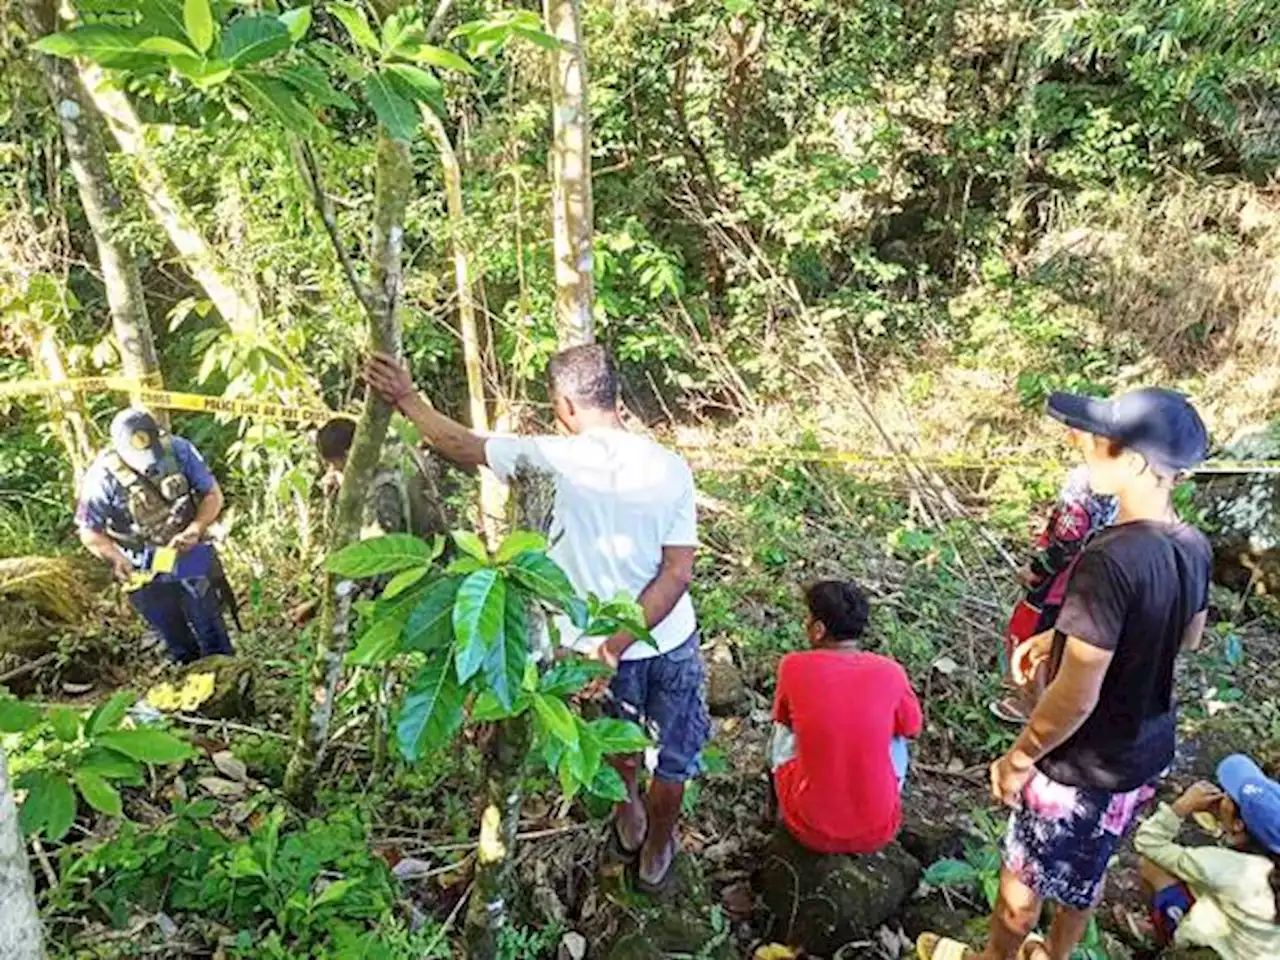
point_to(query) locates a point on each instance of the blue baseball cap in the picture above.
(135, 436)
(1160, 424)
(1256, 796)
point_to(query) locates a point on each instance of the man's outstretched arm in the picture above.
(453, 441)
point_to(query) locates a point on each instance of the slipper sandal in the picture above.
(930, 946)
(662, 886)
(1008, 711)
(1033, 940)
(615, 851)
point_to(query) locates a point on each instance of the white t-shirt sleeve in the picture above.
(682, 530)
(505, 455)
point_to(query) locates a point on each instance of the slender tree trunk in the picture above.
(237, 302)
(1019, 199)
(571, 213)
(393, 180)
(493, 493)
(66, 411)
(82, 133)
(20, 935)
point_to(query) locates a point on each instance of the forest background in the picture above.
(886, 229)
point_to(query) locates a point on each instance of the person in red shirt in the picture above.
(842, 718)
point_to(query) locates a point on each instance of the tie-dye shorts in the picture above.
(1061, 839)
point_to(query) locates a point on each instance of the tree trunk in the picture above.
(236, 302)
(20, 933)
(571, 214)
(493, 493)
(393, 180)
(1019, 199)
(83, 137)
(66, 411)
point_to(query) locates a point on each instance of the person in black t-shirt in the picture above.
(1104, 731)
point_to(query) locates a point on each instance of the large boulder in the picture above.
(821, 902)
(233, 681)
(1243, 513)
(726, 692)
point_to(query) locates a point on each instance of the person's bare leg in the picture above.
(1016, 912)
(1067, 930)
(659, 849)
(1155, 879)
(632, 817)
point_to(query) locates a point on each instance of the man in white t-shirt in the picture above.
(623, 519)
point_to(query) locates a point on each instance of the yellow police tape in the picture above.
(164, 399)
(194, 402)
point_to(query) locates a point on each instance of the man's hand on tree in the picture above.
(389, 378)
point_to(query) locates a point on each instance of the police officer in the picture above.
(145, 504)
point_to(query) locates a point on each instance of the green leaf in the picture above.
(50, 805)
(167, 47)
(357, 25)
(390, 553)
(517, 542)
(111, 766)
(432, 710)
(608, 784)
(468, 542)
(97, 42)
(542, 576)
(618, 736)
(203, 73)
(478, 619)
(399, 27)
(464, 565)
(198, 20)
(297, 21)
(556, 719)
(107, 716)
(423, 88)
(16, 716)
(99, 794)
(253, 39)
(950, 873)
(538, 38)
(66, 724)
(402, 581)
(506, 660)
(486, 708)
(569, 676)
(570, 783)
(394, 111)
(312, 81)
(161, 16)
(430, 625)
(378, 644)
(334, 892)
(148, 746)
(245, 864)
(440, 58)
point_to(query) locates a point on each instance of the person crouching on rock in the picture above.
(1103, 733)
(842, 720)
(1227, 900)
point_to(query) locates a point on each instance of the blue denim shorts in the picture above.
(667, 694)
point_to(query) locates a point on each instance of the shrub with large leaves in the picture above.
(467, 628)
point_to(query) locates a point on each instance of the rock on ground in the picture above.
(681, 923)
(232, 697)
(821, 902)
(1244, 513)
(726, 692)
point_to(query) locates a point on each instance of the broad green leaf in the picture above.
(99, 794)
(50, 805)
(96, 42)
(569, 676)
(167, 47)
(312, 81)
(538, 38)
(66, 724)
(517, 542)
(618, 736)
(468, 542)
(107, 716)
(402, 581)
(357, 25)
(486, 708)
(556, 718)
(585, 761)
(443, 59)
(334, 892)
(16, 716)
(396, 27)
(570, 783)
(390, 553)
(198, 19)
(161, 17)
(542, 576)
(950, 873)
(394, 111)
(608, 784)
(148, 746)
(297, 21)
(377, 645)
(423, 88)
(505, 662)
(111, 766)
(203, 73)
(253, 39)
(430, 624)
(464, 565)
(478, 619)
(245, 864)
(432, 710)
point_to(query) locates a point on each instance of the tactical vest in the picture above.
(158, 508)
